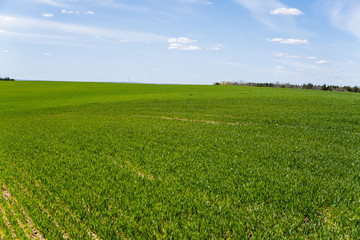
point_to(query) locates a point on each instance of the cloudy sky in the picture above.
(181, 41)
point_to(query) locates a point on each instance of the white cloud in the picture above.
(197, 1)
(182, 43)
(139, 8)
(48, 15)
(286, 55)
(289, 41)
(155, 70)
(123, 41)
(216, 47)
(279, 68)
(321, 62)
(191, 48)
(300, 64)
(52, 3)
(77, 12)
(345, 15)
(237, 64)
(260, 9)
(70, 12)
(25, 28)
(260, 5)
(2, 31)
(279, 54)
(287, 11)
(294, 56)
(46, 37)
(7, 19)
(176, 46)
(5, 51)
(181, 40)
(47, 54)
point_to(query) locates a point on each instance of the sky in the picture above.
(181, 41)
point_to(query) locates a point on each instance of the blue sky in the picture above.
(181, 41)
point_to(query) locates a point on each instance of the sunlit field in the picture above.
(131, 161)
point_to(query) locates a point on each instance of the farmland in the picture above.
(131, 161)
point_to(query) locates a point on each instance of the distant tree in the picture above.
(348, 89)
(7, 79)
(324, 87)
(296, 86)
(334, 87)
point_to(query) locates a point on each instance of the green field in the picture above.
(131, 161)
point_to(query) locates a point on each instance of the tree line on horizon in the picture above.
(6, 79)
(310, 86)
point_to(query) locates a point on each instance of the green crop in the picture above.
(131, 161)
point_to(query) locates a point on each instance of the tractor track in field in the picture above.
(61, 208)
(234, 123)
(27, 225)
(192, 120)
(7, 222)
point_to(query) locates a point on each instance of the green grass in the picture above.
(115, 161)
